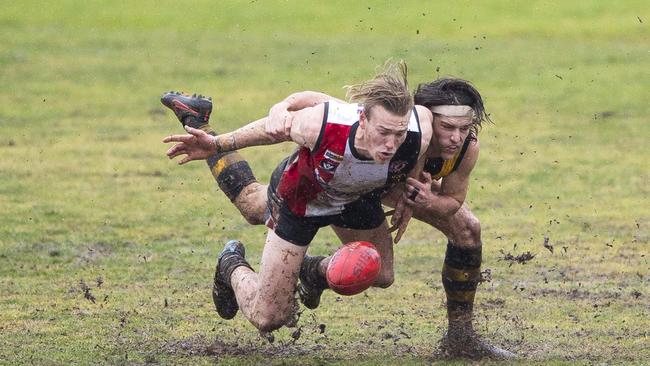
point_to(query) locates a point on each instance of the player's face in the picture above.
(384, 132)
(450, 133)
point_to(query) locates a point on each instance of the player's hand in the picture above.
(401, 217)
(418, 193)
(197, 145)
(278, 125)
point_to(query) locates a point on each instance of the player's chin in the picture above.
(384, 156)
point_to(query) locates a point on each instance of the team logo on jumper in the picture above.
(329, 154)
(397, 166)
(328, 165)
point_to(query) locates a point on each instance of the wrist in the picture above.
(215, 144)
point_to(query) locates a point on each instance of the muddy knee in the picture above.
(270, 322)
(251, 203)
(252, 217)
(466, 231)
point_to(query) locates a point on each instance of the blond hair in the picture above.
(388, 89)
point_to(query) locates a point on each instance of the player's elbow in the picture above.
(450, 210)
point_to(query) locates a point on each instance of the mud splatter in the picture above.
(486, 276)
(86, 290)
(547, 245)
(522, 258)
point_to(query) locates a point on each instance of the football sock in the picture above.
(229, 169)
(461, 274)
(310, 273)
(229, 262)
(231, 172)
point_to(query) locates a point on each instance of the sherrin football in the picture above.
(353, 268)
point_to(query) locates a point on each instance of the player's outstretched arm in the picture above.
(197, 144)
(280, 116)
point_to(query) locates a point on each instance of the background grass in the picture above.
(107, 248)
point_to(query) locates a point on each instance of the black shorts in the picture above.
(363, 214)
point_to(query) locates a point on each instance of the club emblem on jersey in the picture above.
(328, 165)
(397, 166)
(329, 154)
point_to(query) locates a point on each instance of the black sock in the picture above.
(461, 274)
(310, 273)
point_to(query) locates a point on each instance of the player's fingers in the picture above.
(179, 138)
(170, 138)
(193, 131)
(286, 124)
(412, 182)
(175, 150)
(398, 236)
(186, 159)
(411, 194)
(395, 219)
(402, 228)
(177, 153)
(427, 178)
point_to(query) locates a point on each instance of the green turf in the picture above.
(107, 248)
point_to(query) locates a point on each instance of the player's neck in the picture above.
(434, 151)
(360, 145)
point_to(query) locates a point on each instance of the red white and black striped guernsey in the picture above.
(321, 181)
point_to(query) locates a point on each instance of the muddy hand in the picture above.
(418, 193)
(401, 217)
(278, 124)
(197, 145)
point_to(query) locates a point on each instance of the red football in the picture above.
(353, 268)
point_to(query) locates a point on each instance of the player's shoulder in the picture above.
(424, 114)
(470, 157)
(425, 121)
(340, 112)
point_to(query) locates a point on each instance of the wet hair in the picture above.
(388, 89)
(453, 91)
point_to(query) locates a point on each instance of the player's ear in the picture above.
(363, 119)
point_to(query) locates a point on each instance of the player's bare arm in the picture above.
(280, 117)
(403, 212)
(453, 189)
(197, 144)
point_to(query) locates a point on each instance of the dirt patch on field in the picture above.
(202, 346)
(92, 252)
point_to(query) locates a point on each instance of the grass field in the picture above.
(107, 248)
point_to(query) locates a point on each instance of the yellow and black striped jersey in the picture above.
(439, 168)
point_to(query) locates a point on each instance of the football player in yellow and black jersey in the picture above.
(438, 199)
